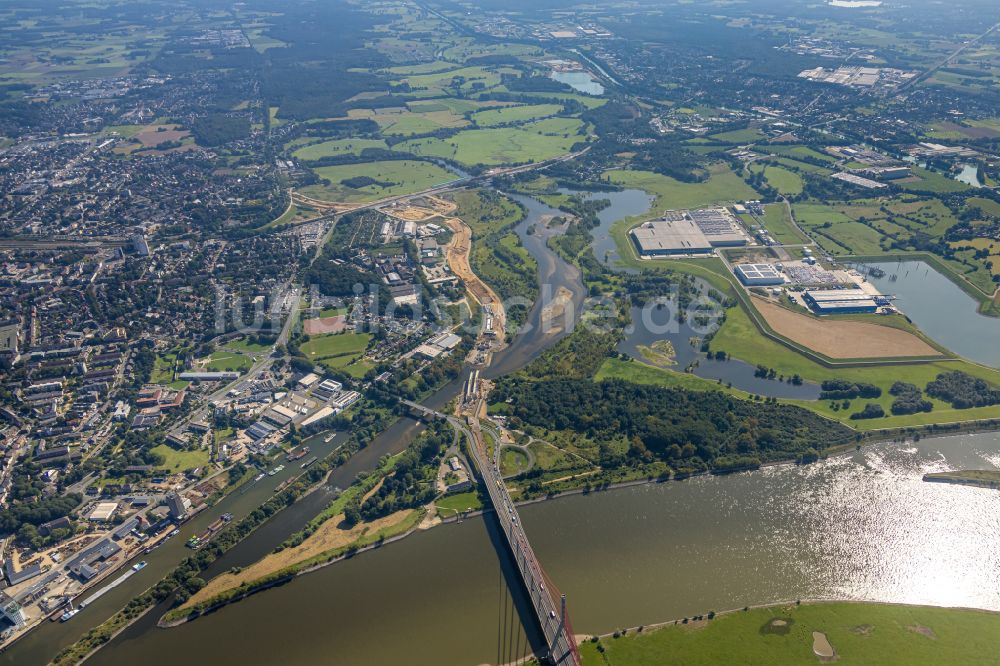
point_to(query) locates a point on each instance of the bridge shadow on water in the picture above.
(518, 633)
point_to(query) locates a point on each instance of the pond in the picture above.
(579, 81)
(940, 309)
(653, 326)
(624, 203)
(969, 175)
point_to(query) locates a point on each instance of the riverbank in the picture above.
(783, 633)
(328, 543)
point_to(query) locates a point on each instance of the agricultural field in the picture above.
(533, 142)
(337, 147)
(401, 121)
(782, 229)
(740, 137)
(722, 186)
(859, 633)
(514, 114)
(387, 179)
(459, 80)
(931, 181)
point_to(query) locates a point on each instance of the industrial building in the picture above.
(688, 232)
(843, 301)
(209, 376)
(759, 275)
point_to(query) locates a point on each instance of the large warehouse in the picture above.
(843, 301)
(688, 232)
(759, 275)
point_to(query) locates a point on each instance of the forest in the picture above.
(695, 429)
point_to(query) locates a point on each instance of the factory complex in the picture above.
(686, 232)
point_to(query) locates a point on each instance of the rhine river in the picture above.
(862, 526)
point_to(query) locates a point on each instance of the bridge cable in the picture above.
(501, 619)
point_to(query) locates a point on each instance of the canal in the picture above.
(862, 526)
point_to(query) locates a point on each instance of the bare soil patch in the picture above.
(325, 325)
(923, 631)
(843, 339)
(153, 135)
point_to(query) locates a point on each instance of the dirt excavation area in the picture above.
(457, 253)
(843, 339)
(328, 536)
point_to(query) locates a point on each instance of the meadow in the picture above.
(392, 178)
(860, 633)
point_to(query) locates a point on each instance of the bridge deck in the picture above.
(548, 610)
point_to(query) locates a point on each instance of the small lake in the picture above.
(941, 309)
(969, 175)
(626, 203)
(579, 81)
(657, 325)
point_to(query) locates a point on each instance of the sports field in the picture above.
(320, 346)
(392, 178)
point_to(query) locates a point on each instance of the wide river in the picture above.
(862, 526)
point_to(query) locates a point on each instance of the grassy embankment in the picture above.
(860, 633)
(324, 539)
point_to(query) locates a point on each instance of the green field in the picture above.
(931, 181)
(859, 633)
(450, 505)
(223, 361)
(179, 461)
(776, 221)
(514, 114)
(794, 152)
(394, 178)
(337, 147)
(163, 368)
(245, 346)
(341, 344)
(454, 79)
(533, 142)
(743, 136)
(785, 181)
(722, 186)
(741, 339)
